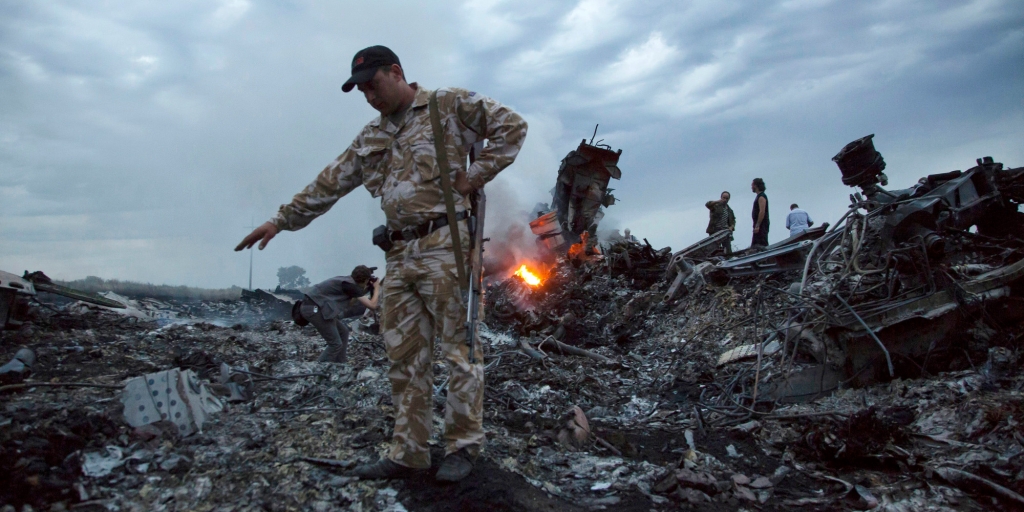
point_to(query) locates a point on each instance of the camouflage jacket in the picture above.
(721, 215)
(398, 164)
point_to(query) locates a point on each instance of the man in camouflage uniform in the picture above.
(721, 218)
(394, 158)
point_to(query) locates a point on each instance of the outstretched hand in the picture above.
(262, 234)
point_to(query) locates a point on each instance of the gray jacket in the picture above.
(336, 296)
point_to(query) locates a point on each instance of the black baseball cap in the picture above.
(366, 62)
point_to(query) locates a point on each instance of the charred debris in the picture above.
(887, 291)
(871, 364)
(918, 288)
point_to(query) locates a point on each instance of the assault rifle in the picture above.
(475, 295)
(472, 289)
(475, 291)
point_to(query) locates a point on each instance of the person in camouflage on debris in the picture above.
(394, 158)
(722, 218)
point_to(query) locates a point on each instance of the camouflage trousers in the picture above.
(422, 301)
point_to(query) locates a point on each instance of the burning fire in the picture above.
(528, 277)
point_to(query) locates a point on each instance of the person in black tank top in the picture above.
(759, 215)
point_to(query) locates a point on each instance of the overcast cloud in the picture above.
(138, 140)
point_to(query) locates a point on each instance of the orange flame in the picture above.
(528, 277)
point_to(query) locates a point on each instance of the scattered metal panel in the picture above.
(548, 231)
(704, 249)
(677, 283)
(952, 200)
(688, 279)
(79, 295)
(988, 286)
(788, 254)
(998, 277)
(909, 344)
(807, 384)
(788, 257)
(11, 287)
(16, 283)
(916, 328)
(747, 351)
(807, 234)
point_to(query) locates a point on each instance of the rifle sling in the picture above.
(446, 188)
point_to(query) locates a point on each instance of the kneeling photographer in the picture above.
(327, 304)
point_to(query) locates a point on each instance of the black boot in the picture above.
(383, 469)
(456, 466)
(334, 354)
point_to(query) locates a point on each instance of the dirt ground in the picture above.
(653, 442)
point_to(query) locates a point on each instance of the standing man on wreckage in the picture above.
(721, 218)
(760, 215)
(394, 157)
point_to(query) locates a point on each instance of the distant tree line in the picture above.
(134, 290)
(292, 278)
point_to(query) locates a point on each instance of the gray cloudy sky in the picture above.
(139, 139)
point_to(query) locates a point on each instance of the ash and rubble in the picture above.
(858, 354)
(873, 364)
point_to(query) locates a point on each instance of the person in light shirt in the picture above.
(798, 220)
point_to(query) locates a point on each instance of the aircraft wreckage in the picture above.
(577, 201)
(15, 292)
(894, 282)
(896, 279)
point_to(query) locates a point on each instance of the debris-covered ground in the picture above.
(870, 365)
(636, 422)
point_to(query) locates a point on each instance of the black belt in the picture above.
(414, 232)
